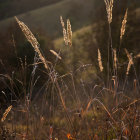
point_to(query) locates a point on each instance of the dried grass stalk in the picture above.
(123, 28)
(100, 61)
(128, 67)
(56, 54)
(6, 113)
(109, 7)
(115, 58)
(130, 61)
(31, 38)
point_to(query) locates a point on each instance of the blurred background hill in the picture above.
(47, 16)
(10, 8)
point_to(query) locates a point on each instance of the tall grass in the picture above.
(66, 110)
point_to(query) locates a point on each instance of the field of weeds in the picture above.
(65, 107)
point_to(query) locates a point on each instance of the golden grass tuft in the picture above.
(6, 113)
(123, 28)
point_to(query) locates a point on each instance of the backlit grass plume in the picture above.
(109, 7)
(64, 31)
(123, 28)
(67, 34)
(31, 38)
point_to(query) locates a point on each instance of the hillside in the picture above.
(16, 7)
(47, 18)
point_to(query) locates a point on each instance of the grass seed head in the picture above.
(64, 31)
(109, 7)
(69, 33)
(123, 28)
(6, 113)
(31, 38)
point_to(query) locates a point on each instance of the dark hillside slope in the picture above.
(10, 8)
(47, 18)
(79, 12)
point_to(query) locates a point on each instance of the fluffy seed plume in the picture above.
(123, 28)
(100, 61)
(115, 58)
(130, 61)
(6, 113)
(109, 7)
(31, 38)
(56, 54)
(67, 34)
